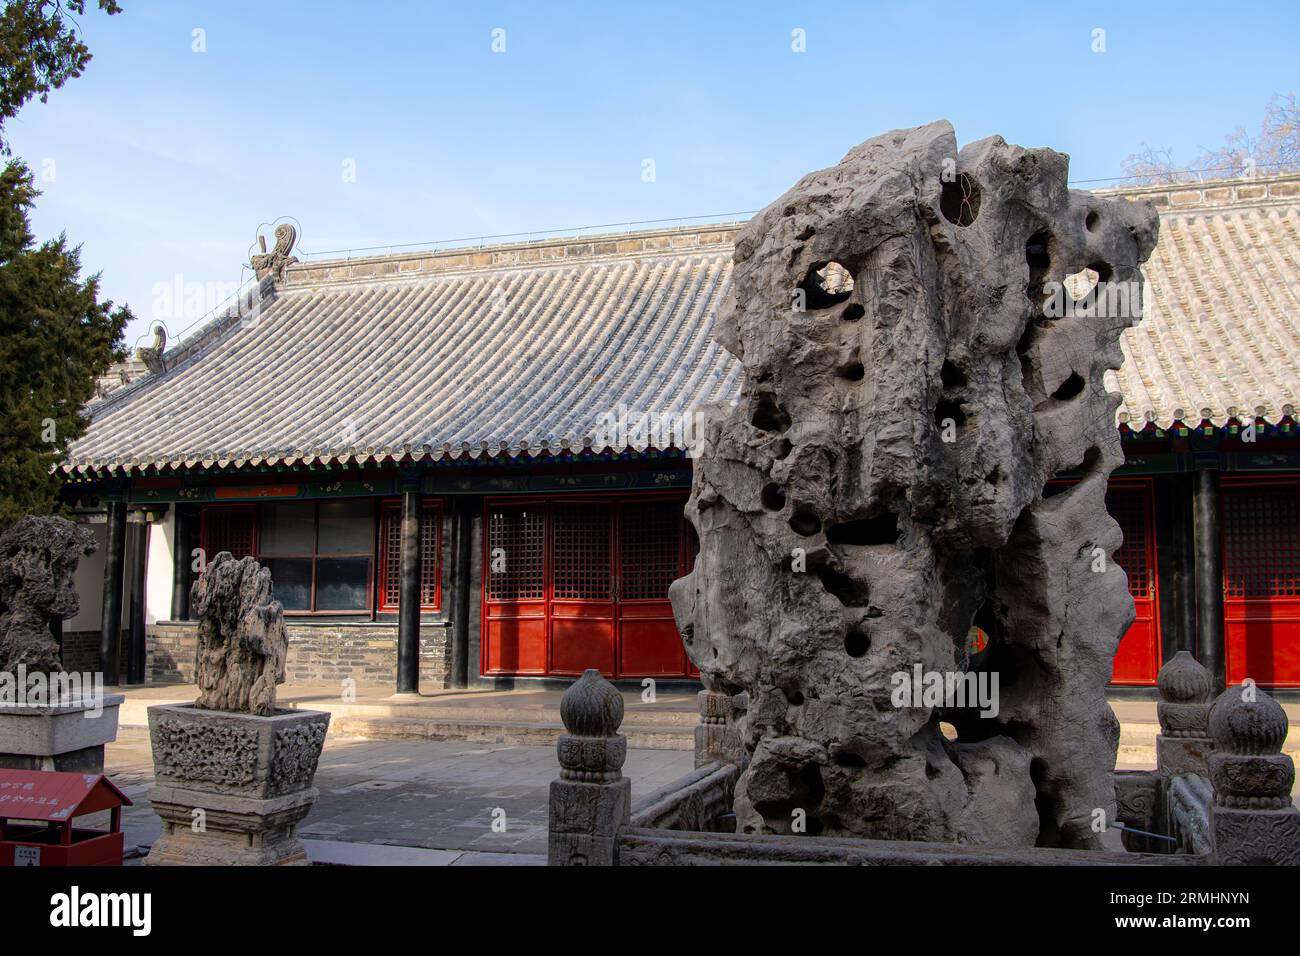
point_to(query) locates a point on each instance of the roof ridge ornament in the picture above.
(278, 259)
(152, 355)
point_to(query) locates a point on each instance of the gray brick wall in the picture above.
(318, 653)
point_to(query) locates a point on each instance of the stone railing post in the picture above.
(1184, 744)
(592, 800)
(1252, 820)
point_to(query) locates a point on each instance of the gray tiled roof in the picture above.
(510, 350)
(1221, 332)
(523, 347)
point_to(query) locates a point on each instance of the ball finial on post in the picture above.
(1252, 819)
(592, 800)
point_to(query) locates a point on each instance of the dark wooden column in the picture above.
(461, 583)
(408, 611)
(135, 654)
(182, 544)
(110, 634)
(1207, 531)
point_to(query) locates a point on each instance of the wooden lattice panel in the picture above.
(580, 551)
(516, 553)
(392, 585)
(1128, 506)
(391, 542)
(650, 549)
(430, 536)
(1261, 542)
(229, 529)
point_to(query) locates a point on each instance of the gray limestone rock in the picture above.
(38, 562)
(241, 635)
(924, 334)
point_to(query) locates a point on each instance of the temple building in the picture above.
(469, 465)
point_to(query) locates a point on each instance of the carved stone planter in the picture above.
(68, 737)
(250, 776)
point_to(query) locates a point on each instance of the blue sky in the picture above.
(163, 161)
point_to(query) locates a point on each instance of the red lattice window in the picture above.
(390, 560)
(516, 552)
(650, 549)
(1261, 541)
(580, 551)
(229, 529)
(1128, 506)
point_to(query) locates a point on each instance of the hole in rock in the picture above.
(1071, 387)
(846, 759)
(1048, 832)
(856, 643)
(827, 284)
(793, 697)
(773, 497)
(1038, 255)
(994, 477)
(1102, 269)
(769, 416)
(799, 789)
(842, 587)
(807, 232)
(851, 371)
(949, 409)
(1054, 488)
(853, 313)
(959, 200)
(805, 524)
(882, 529)
(1091, 222)
(951, 376)
(783, 449)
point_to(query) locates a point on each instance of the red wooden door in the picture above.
(582, 587)
(650, 559)
(571, 583)
(514, 590)
(1261, 582)
(1137, 661)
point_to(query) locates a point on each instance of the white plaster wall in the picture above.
(159, 569)
(90, 585)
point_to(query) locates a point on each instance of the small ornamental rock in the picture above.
(241, 635)
(38, 563)
(924, 334)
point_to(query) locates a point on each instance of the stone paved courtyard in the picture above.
(436, 795)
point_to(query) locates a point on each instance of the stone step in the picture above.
(510, 733)
(647, 716)
(667, 726)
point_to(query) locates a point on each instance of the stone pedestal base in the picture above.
(67, 737)
(585, 821)
(229, 830)
(1256, 837)
(232, 788)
